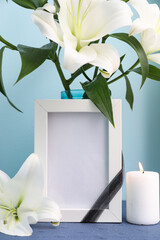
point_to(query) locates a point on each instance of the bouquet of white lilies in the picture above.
(82, 28)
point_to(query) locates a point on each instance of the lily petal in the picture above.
(154, 57)
(50, 28)
(22, 186)
(72, 58)
(137, 27)
(24, 213)
(149, 13)
(150, 41)
(16, 228)
(110, 15)
(49, 211)
(107, 58)
(48, 7)
(4, 178)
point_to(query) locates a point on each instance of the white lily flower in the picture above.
(109, 61)
(81, 22)
(148, 24)
(21, 199)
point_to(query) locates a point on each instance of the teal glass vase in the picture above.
(74, 94)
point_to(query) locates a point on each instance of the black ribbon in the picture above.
(105, 198)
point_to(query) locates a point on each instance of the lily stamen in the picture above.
(3, 201)
(5, 207)
(10, 211)
(4, 222)
(10, 222)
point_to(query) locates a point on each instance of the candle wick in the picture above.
(143, 171)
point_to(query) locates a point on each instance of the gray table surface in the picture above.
(94, 231)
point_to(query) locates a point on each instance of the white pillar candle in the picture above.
(142, 197)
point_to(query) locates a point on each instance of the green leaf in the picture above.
(31, 4)
(99, 94)
(134, 43)
(32, 58)
(129, 92)
(2, 88)
(122, 57)
(154, 72)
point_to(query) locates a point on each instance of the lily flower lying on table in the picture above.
(22, 201)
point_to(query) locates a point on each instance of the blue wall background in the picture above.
(141, 127)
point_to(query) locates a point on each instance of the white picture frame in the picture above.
(44, 113)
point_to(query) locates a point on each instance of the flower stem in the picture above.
(95, 72)
(60, 72)
(125, 73)
(77, 73)
(86, 76)
(8, 44)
